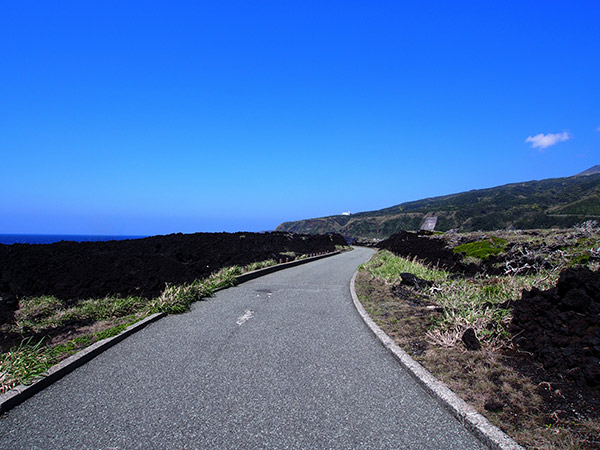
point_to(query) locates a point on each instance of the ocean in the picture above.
(50, 238)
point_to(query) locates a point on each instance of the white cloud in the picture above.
(546, 140)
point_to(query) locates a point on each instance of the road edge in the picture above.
(22, 392)
(277, 267)
(489, 434)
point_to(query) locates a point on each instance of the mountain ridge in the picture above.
(592, 170)
(551, 202)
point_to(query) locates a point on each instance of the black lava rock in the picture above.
(408, 279)
(561, 326)
(470, 340)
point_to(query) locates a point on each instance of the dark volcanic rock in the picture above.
(561, 326)
(408, 279)
(494, 406)
(140, 267)
(420, 245)
(470, 340)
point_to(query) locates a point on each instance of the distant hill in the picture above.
(554, 202)
(590, 171)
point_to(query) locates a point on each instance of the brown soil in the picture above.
(405, 312)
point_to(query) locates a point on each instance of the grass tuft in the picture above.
(22, 364)
(388, 267)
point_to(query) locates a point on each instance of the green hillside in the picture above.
(554, 202)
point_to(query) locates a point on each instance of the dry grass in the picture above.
(22, 363)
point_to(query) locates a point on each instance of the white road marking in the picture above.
(247, 316)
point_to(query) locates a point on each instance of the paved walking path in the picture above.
(283, 361)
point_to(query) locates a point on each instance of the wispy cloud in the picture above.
(542, 141)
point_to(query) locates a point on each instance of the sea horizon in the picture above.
(10, 239)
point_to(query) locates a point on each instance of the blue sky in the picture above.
(158, 117)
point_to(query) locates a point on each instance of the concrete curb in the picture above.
(489, 434)
(260, 272)
(22, 392)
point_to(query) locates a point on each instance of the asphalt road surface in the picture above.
(283, 361)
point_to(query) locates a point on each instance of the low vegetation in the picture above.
(51, 330)
(429, 316)
(555, 202)
(482, 249)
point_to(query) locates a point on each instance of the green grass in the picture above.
(471, 303)
(465, 303)
(482, 249)
(388, 267)
(37, 314)
(23, 363)
(581, 252)
(259, 265)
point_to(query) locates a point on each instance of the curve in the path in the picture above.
(283, 361)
